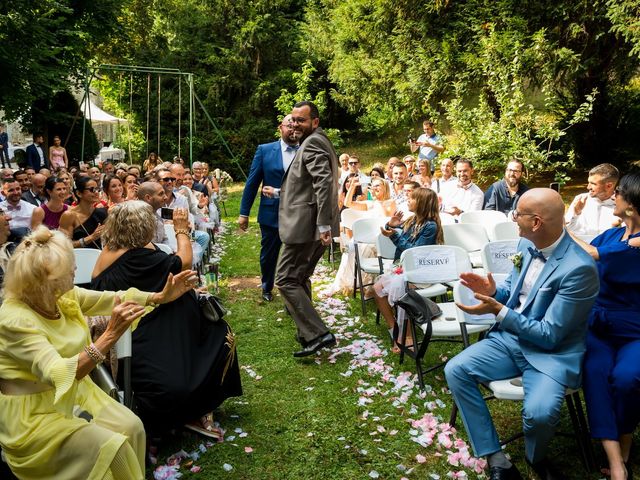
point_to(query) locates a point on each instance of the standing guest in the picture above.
(410, 162)
(344, 164)
(84, 223)
(429, 143)
(399, 176)
(389, 172)
(504, 194)
(464, 195)
(4, 147)
(58, 155)
(592, 213)
(446, 168)
(151, 162)
(19, 211)
(422, 228)
(541, 324)
(35, 195)
(49, 213)
(270, 162)
(423, 177)
(612, 363)
(113, 190)
(23, 180)
(307, 216)
(36, 155)
(46, 355)
(130, 184)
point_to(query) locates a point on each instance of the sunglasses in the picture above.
(91, 189)
(168, 179)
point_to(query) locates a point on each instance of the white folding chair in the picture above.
(123, 352)
(586, 238)
(504, 231)
(435, 264)
(86, 259)
(170, 232)
(483, 217)
(447, 219)
(365, 232)
(165, 248)
(469, 236)
(496, 256)
(386, 250)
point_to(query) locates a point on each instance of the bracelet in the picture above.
(94, 354)
(82, 243)
(183, 231)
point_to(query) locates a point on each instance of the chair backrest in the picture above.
(586, 238)
(123, 345)
(170, 232)
(483, 217)
(366, 230)
(504, 231)
(464, 296)
(385, 247)
(164, 247)
(496, 255)
(447, 219)
(86, 259)
(349, 216)
(469, 236)
(434, 263)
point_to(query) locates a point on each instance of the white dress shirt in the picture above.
(596, 216)
(468, 198)
(288, 154)
(20, 214)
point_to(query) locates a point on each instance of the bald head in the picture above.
(286, 131)
(153, 194)
(541, 216)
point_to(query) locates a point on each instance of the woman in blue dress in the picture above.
(423, 228)
(611, 376)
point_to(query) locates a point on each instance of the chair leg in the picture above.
(356, 268)
(419, 353)
(377, 316)
(454, 415)
(128, 392)
(362, 300)
(578, 420)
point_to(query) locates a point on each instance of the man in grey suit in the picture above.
(307, 216)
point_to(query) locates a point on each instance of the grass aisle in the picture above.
(349, 413)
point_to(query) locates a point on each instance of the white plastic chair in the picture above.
(86, 259)
(469, 236)
(170, 232)
(348, 216)
(586, 238)
(504, 231)
(483, 217)
(165, 248)
(365, 232)
(123, 352)
(496, 255)
(447, 219)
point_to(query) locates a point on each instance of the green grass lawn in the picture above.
(346, 414)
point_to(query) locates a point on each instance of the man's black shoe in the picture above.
(326, 340)
(499, 473)
(546, 471)
(267, 296)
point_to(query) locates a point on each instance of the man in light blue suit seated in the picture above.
(541, 323)
(269, 164)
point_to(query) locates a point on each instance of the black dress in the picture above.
(98, 216)
(183, 366)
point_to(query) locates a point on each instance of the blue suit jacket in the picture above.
(33, 159)
(552, 327)
(266, 169)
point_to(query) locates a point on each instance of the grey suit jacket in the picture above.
(309, 192)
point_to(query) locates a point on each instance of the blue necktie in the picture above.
(537, 254)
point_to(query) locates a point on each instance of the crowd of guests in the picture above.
(53, 418)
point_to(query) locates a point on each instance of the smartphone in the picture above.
(554, 186)
(166, 213)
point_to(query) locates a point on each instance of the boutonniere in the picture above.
(516, 260)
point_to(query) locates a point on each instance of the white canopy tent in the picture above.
(105, 125)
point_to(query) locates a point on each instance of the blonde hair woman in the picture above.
(46, 355)
(381, 205)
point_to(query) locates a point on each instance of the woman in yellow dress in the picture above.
(54, 421)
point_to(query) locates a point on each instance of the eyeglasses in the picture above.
(509, 170)
(353, 163)
(517, 214)
(298, 120)
(91, 189)
(168, 179)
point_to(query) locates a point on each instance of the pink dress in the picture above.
(57, 157)
(52, 219)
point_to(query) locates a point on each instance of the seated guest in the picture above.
(592, 213)
(464, 195)
(381, 205)
(423, 228)
(201, 370)
(135, 170)
(344, 164)
(397, 185)
(347, 192)
(130, 184)
(154, 194)
(423, 177)
(504, 194)
(200, 195)
(23, 179)
(49, 213)
(541, 314)
(46, 355)
(446, 169)
(84, 223)
(611, 378)
(66, 178)
(354, 169)
(389, 172)
(201, 177)
(113, 190)
(410, 162)
(19, 211)
(35, 195)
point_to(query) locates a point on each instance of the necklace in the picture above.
(44, 313)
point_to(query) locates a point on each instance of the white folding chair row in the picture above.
(86, 259)
(365, 232)
(348, 216)
(469, 236)
(483, 217)
(504, 231)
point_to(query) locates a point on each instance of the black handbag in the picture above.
(211, 307)
(421, 310)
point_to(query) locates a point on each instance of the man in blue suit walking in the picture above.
(270, 163)
(541, 322)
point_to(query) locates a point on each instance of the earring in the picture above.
(628, 212)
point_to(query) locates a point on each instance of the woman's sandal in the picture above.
(206, 427)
